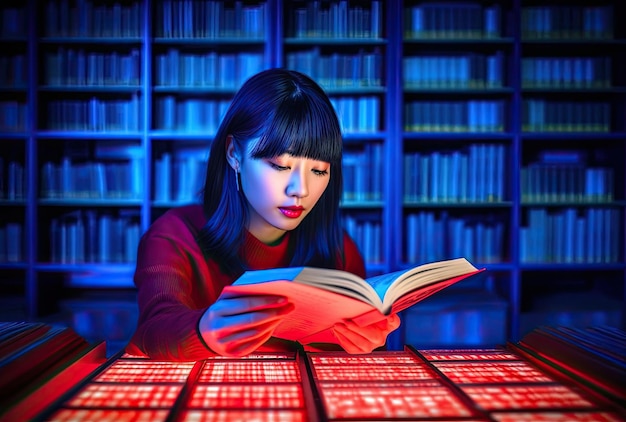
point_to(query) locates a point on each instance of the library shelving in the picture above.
(490, 130)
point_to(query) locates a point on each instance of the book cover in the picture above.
(323, 297)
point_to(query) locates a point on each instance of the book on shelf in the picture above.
(322, 297)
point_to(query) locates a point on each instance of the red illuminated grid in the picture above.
(406, 400)
(557, 417)
(491, 372)
(145, 371)
(468, 354)
(267, 355)
(247, 396)
(109, 415)
(526, 397)
(250, 371)
(373, 372)
(244, 415)
(378, 358)
(126, 396)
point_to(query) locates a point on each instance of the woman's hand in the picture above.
(238, 325)
(356, 339)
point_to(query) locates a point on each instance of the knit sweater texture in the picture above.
(176, 284)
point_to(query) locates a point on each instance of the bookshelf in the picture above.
(492, 130)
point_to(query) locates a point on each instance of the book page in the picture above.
(422, 293)
(392, 286)
(334, 280)
(316, 309)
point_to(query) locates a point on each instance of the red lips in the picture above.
(292, 212)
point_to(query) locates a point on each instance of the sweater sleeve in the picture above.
(167, 286)
(353, 260)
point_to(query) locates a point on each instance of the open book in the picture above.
(323, 297)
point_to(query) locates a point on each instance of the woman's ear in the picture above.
(232, 156)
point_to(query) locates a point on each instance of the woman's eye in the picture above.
(320, 172)
(277, 167)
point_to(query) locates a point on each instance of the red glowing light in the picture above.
(245, 396)
(371, 400)
(250, 371)
(491, 372)
(526, 397)
(130, 371)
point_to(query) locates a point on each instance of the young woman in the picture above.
(271, 199)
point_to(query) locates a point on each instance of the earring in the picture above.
(236, 178)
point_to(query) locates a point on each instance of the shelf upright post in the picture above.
(32, 229)
(146, 117)
(516, 151)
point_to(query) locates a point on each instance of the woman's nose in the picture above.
(297, 185)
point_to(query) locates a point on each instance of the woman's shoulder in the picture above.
(179, 220)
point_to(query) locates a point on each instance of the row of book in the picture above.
(454, 116)
(171, 113)
(432, 236)
(364, 69)
(96, 114)
(12, 180)
(368, 235)
(88, 236)
(189, 114)
(453, 20)
(211, 69)
(336, 19)
(362, 170)
(566, 183)
(89, 19)
(563, 237)
(472, 174)
(571, 235)
(69, 66)
(567, 22)
(179, 177)
(358, 114)
(11, 244)
(214, 19)
(13, 71)
(13, 116)
(475, 173)
(471, 70)
(566, 72)
(210, 19)
(337, 70)
(540, 115)
(13, 22)
(91, 180)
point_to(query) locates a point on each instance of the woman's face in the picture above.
(281, 191)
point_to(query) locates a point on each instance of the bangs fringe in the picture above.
(303, 128)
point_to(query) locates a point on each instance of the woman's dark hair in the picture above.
(289, 113)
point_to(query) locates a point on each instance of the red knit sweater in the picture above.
(176, 284)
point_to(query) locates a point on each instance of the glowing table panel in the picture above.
(146, 372)
(250, 371)
(455, 385)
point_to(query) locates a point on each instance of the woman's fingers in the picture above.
(243, 304)
(249, 322)
(243, 343)
(235, 326)
(356, 339)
